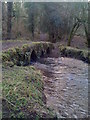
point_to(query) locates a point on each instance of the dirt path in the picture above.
(17, 43)
(10, 44)
(77, 42)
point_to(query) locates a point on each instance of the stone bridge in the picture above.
(26, 54)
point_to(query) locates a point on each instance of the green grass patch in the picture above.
(22, 89)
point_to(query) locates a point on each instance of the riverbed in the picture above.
(65, 86)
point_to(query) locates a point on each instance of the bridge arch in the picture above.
(48, 51)
(33, 57)
(42, 54)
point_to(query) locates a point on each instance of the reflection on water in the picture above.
(65, 86)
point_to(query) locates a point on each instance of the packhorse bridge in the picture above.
(26, 54)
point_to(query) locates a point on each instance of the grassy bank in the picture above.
(23, 93)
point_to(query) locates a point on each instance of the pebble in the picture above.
(66, 113)
(83, 113)
(75, 116)
(63, 89)
(75, 105)
(61, 106)
(82, 110)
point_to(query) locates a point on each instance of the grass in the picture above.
(16, 40)
(22, 91)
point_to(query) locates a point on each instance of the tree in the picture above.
(9, 19)
(88, 37)
(17, 15)
(51, 20)
(86, 23)
(73, 31)
(4, 20)
(80, 18)
(54, 19)
(31, 17)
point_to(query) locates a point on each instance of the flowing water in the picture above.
(65, 86)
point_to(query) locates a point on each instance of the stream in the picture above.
(65, 86)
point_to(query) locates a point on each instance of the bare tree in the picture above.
(9, 19)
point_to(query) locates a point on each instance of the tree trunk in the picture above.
(88, 39)
(72, 33)
(31, 19)
(87, 34)
(32, 26)
(9, 19)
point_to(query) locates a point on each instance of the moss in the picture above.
(9, 55)
(75, 53)
(21, 55)
(26, 48)
(8, 63)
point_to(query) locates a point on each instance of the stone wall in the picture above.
(80, 54)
